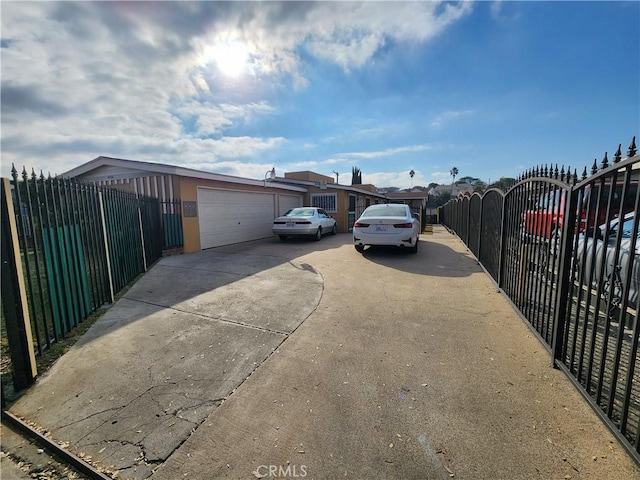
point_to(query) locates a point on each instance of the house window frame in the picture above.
(330, 205)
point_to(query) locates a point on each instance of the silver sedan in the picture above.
(387, 224)
(619, 262)
(304, 221)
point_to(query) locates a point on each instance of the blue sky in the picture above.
(491, 88)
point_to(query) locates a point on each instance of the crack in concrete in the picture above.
(88, 417)
(122, 407)
(213, 317)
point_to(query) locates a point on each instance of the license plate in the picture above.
(290, 223)
(381, 228)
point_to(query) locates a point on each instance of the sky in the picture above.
(491, 87)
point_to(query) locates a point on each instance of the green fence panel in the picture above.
(172, 230)
(66, 276)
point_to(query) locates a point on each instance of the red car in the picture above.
(545, 220)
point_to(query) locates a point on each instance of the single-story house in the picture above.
(211, 209)
(417, 200)
(454, 190)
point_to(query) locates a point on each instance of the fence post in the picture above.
(14, 297)
(564, 271)
(144, 253)
(106, 245)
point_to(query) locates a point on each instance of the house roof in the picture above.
(333, 186)
(448, 188)
(407, 195)
(149, 168)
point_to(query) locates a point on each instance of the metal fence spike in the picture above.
(632, 148)
(594, 169)
(584, 173)
(605, 161)
(618, 155)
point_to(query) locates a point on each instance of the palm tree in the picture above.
(453, 172)
(411, 174)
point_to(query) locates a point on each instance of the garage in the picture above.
(287, 202)
(233, 216)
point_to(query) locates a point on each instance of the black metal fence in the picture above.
(78, 245)
(566, 252)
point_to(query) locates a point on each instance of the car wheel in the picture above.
(283, 237)
(359, 248)
(318, 234)
(414, 249)
(334, 230)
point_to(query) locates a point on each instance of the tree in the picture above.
(442, 198)
(477, 184)
(479, 187)
(504, 183)
(411, 174)
(454, 173)
(356, 176)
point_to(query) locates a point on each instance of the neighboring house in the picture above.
(210, 209)
(454, 190)
(417, 199)
(344, 202)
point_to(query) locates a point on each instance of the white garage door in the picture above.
(287, 202)
(228, 216)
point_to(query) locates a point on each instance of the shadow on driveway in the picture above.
(187, 334)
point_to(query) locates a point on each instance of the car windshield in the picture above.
(627, 229)
(385, 211)
(300, 212)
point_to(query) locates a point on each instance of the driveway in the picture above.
(307, 359)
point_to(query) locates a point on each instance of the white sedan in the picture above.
(387, 224)
(304, 221)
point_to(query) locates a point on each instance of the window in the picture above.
(326, 201)
(386, 211)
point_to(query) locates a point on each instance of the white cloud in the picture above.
(387, 152)
(446, 117)
(496, 7)
(82, 79)
(212, 118)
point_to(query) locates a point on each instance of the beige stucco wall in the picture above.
(342, 203)
(189, 193)
(308, 176)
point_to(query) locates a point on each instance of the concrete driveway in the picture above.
(308, 360)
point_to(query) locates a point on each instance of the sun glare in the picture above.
(231, 58)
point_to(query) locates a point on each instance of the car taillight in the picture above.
(403, 225)
(360, 225)
(304, 222)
